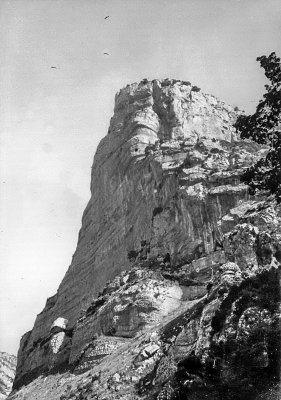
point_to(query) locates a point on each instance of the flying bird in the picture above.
(106, 54)
(106, 17)
(54, 67)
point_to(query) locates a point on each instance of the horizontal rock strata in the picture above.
(225, 344)
(165, 189)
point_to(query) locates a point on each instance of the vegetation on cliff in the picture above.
(173, 292)
(264, 127)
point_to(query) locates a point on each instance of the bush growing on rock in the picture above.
(144, 81)
(195, 89)
(264, 127)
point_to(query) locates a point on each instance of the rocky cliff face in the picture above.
(149, 303)
(7, 373)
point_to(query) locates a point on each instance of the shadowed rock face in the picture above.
(164, 182)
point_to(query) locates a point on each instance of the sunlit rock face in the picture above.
(164, 180)
(7, 373)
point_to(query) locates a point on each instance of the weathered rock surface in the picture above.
(7, 373)
(170, 246)
(224, 345)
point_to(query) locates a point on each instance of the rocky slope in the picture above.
(165, 294)
(7, 373)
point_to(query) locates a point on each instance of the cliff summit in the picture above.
(173, 291)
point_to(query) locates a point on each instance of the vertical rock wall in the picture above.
(163, 180)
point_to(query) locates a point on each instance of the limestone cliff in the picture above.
(7, 373)
(158, 268)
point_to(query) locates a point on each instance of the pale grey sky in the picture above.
(53, 119)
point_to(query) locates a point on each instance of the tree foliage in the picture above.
(264, 127)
